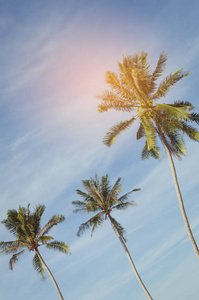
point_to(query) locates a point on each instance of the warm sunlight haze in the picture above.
(54, 60)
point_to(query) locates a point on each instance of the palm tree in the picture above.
(101, 198)
(135, 89)
(25, 226)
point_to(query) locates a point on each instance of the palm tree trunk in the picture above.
(51, 275)
(130, 259)
(182, 208)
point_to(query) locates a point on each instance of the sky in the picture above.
(53, 57)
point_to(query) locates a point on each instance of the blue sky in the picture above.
(54, 55)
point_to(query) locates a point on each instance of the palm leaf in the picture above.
(59, 246)
(158, 70)
(124, 205)
(116, 130)
(126, 196)
(81, 206)
(115, 191)
(140, 132)
(179, 113)
(112, 79)
(194, 117)
(192, 132)
(167, 83)
(150, 133)
(15, 258)
(93, 222)
(130, 79)
(37, 265)
(12, 223)
(155, 152)
(181, 103)
(44, 239)
(112, 100)
(176, 144)
(36, 217)
(93, 190)
(52, 222)
(119, 227)
(105, 187)
(12, 246)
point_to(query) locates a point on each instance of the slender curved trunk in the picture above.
(182, 208)
(130, 259)
(51, 275)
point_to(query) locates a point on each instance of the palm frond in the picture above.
(155, 152)
(131, 79)
(112, 100)
(95, 197)
(125, 197)
(167, 83)
(134, 74)
(181, 103)
(56, 219)
(93, 222)
(158, 70)
(114, 82)
(105, 187)
(180, 113)
(119, 228)
(12, 246)
(150, 133)
(176, 144)
(44, 239)
(59, 246)
(15, 258)
(81, 206)
(124, 205)
(114, 192)
(194, 117)
(86, 196)
(37, 265)
(140, 132)
(36, 217)
(116, 130)
(12, 223)
(191, 132)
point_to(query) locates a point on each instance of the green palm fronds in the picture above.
(25, 226)
(52, 222)
(37, 265)
(101, 198)
(165, 85)
(158, 71)
(117, 129)
(167, 121)
(60, 246)
(112, 100)
(119, 228)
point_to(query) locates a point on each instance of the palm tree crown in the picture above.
(25, 226)
(102, 198)
(135, 89)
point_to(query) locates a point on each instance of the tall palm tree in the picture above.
(25, 226)
(135, 89)
(101, 198)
